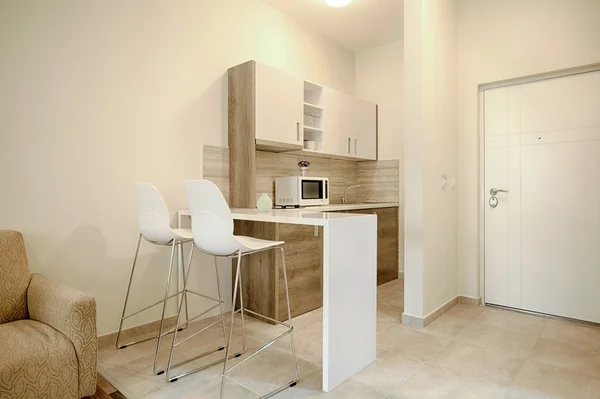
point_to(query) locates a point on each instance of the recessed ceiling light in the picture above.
(337, 3)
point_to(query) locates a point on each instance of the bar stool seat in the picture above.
(250, 244)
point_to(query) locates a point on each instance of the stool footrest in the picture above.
(257, 351)
(173, 379)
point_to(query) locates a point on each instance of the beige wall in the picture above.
(96, 95)
(499, 40)
(429, 152)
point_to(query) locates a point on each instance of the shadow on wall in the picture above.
(82, 260)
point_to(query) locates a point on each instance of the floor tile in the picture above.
(269, 370)
(389, 313)
(567, 356)
(430, 382)
(578, 334)
(387, 371)
(472, 361)
(509, 343)
(465, 312)
(408, 342)
(513, 321)
(447, 326)
(539, 380)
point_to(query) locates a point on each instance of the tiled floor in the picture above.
(467, 353)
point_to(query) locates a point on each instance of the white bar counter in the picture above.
(349, 285)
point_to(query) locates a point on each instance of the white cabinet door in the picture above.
(279, 106)
(350, 126)
(364, 129)
(337, 124)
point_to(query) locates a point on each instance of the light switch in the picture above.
(444, 181)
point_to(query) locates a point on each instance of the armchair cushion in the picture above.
(36, 361)
(14, 277)
(73, 313)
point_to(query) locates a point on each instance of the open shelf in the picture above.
(312, 129)
(312, 106)
(313, 94)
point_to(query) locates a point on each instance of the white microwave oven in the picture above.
(297, 191)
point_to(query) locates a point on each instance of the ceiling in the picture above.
(360, 25)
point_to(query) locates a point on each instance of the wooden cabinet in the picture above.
(264, 289)
(387, 242)
(350, 126)
(279, 106)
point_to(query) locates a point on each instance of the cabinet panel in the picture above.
(350, 126)
(304, 265)
(387, 242)
(337, 105)
(279, 106)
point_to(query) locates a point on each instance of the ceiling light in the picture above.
(337, 3)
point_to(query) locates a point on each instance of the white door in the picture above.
(279, 106)
(542, 239)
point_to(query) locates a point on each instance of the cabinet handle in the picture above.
(349, 151)
(355, 145)
(298, 131)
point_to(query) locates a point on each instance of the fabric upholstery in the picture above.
(73, 313)
(14, 277)
(36, 361)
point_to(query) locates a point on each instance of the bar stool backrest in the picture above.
(212, 223)
(153, 215)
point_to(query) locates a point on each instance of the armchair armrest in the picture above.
(72, 313)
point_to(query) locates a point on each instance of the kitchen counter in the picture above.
(349, 282)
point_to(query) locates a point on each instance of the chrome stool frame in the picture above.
(172, 244)
(238, 284)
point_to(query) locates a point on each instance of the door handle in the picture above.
(355, 145)
(495, 191)
(298, 131)
(349, 151)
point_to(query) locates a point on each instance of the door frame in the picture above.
(482, 87)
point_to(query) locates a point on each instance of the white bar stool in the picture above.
(154, 225)
(212, 230)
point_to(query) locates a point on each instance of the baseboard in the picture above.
(422, 322)
(469, 300)
(136, 332)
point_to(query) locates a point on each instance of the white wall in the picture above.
(380, 80)
(96, 95)
(500, 39)
(429, 152)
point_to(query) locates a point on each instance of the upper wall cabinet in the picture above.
(275, 111)
(279, 106)
(350, 126)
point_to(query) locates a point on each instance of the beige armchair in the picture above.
(48, 342)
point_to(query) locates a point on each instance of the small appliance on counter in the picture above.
(297, 191)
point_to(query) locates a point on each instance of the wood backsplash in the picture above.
(379, 180)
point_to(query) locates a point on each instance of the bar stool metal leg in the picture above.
(162, 318)
(220, 300)
(287, 297)
(235, 289)
(242, 311)
(290, 330)
(127, 299)
(182, 270)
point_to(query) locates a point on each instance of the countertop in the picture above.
(313, 215)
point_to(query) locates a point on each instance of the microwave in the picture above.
(297, 191)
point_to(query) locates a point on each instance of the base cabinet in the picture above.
(264, 287)
(262, 274)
